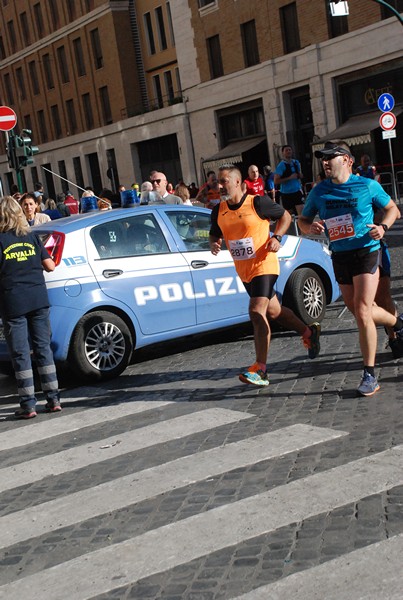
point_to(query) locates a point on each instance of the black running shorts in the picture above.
(347, 265)
(290, 201)
(261, 286)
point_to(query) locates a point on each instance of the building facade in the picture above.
(113, 89)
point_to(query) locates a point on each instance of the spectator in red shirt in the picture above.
(254, 183)
(72, 204)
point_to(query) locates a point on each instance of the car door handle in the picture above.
(198, 264)
(108, 273)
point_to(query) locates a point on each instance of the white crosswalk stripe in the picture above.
(364, 574)
(83, 456)
(69, 423)
(171, 545)
(157, 480)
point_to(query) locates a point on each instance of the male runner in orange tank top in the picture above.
(244, 222)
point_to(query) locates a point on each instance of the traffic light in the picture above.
(12, 159)
(24, 150)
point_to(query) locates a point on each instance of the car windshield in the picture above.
(131, 236)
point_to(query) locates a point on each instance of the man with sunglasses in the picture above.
(344, 203)
(159, 183)
(243, 221)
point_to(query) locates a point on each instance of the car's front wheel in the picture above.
(305, 295)
(101, 346)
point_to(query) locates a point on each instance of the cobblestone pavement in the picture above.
(176, 481)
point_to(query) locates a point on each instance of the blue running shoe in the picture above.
(369, 385)
(255, 376)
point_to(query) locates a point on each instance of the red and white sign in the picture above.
(387, 121)
(8, 118)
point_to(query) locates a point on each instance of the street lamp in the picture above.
(345, 9)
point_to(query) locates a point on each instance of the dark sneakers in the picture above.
(51, 407)
(396, 347)
(312, 344)
(25, 413)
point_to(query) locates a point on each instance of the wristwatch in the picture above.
(385, 227)
(278, 237)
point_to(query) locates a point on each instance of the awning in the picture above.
(232, 153)
(354, 131)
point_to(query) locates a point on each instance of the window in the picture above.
(27, 122)
(78, 172)
(170, 24)
(71, 116)
(193, 228)
(71, 9)
(386, 13)
(149, 33)
(34, 77)
(42, 126)
(203, 3)
(20, 83)
(89, 5)
(89, 119)
(54, 14)
(47, 67)
(249, 43)
(57, 126)
(158, 92)
(61, 167)
(97, 49)
(214, 56)
(161, 28)
(336, 25)
(105, 105)
(79, 56)
(11, 36)
(289, 28)
(25, 29)
(178, 80)
(63, 68)
(169, 87)
(131, 236)
(2, 49)
(38, 19)
(8, 88)
(241, 122)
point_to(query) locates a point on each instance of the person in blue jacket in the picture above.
(24, 308)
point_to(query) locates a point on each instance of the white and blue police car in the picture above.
(132, 277)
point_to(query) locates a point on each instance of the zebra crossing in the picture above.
(101, 571)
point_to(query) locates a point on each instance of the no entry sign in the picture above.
(8, 118)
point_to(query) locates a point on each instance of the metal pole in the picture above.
(394, 187)
(70, 182)
(392, 9)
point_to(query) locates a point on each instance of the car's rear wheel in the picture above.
(305, 295)
(101, 346)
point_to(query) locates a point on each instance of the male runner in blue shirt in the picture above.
(344, 203)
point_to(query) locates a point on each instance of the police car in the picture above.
(132, 277)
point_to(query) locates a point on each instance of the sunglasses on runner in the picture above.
(156, 181)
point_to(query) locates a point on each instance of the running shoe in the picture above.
(25, 413)
(396, 346)
(399, 333)
(369, 385)
(51, 407)
(255, 376)
(312, 344)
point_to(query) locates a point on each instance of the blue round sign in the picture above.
(386, 102)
